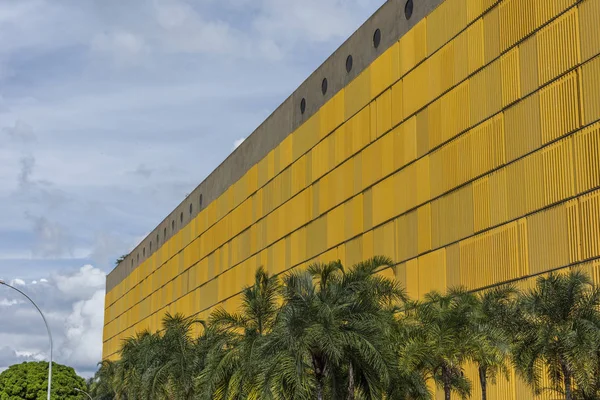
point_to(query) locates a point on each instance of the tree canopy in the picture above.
(29, 381)
(330, 332)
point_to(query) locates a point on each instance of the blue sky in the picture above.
(111, 112)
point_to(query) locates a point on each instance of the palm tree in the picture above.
(333, 335)
(176, 359)
(103, 386)
(490, 324)
(559, 329)
(441, 338)
(137, 357)
(235, 340)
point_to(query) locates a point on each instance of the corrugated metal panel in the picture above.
(522, 127)
(385, 70)
(455, 113)
(587, 158)
(528, 58)
(491, 33)
(589, 11)
(432, 272)
(384, 112)
(485, 93)
(405, 188)
(475, 43)
(405, 143)
(423, 180)
(441, 71)
(558, 171)
(558, 46)
(358, 95)
(461, 53)
(551, 244)
(559, 104)
(452, 217)
(487, 146)
(383, 199)
(424, 230)
(511, 77)
(590, 82)
(421, 122)
(490, 257)
(517, 20)
(397, 115)
(477, 7)
(384, 241)
(590, 221)
(546, 10)
(413, 47)
(516, 194)
(407, 234)
(481, 204)
(445, 22)
(413, 95)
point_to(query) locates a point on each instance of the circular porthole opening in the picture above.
(349, 62)
(303, 105)
(181, 217)
(408, 9)
(377, 38)
(165, 234)
(191, 208)
(200, 201)
(144, 252)
(324, 86)
(173, 225)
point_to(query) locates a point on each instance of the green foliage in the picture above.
(29, 381)
(121, 259)
(559, 330)
(333, 333)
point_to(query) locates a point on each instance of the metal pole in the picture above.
(84, 392)
(47, 328)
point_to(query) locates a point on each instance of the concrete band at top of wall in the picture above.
(390, 19)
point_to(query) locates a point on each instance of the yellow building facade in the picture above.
(468, 151)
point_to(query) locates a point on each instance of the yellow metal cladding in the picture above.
(469, 152)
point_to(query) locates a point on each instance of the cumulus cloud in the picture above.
(8, 303)
(107, 122)
(73, 302)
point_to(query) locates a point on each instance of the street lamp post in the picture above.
(84, 392)
(47, 328)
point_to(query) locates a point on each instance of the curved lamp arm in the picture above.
(84, 392)
(47, 328)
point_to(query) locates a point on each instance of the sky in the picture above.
(111, 112)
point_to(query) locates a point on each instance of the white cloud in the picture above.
(73, 303)
(156, 89)
(17, 282)
(78, 285)
(83, 330)
(8, 303)
(238, 142)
